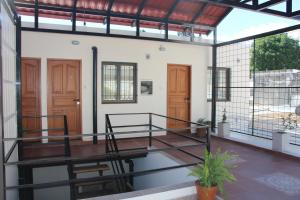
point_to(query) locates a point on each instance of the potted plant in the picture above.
(201, 131)
(280, 137)
(212, 174)
(223, 126)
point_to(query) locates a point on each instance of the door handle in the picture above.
(187, 99)
(77, 101)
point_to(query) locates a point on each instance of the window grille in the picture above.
(223, 84)
(119, 82)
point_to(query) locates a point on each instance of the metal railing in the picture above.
(113, 153)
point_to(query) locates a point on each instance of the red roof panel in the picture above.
(211, 15)
(89, 18)
(55, 14)
(92, 4)
(184, 11)
(126, 6)
(158, 9)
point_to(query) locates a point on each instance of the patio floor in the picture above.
(261, 174)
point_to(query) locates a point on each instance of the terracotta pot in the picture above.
(201, 132)
(204, 193)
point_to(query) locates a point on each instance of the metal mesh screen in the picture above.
(263, 97)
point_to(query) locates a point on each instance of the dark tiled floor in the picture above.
(282, 171)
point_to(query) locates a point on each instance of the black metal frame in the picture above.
(115, 155)
(255, 132)
(261, 35)
(258, 7)
(108, 14)
(118, 72)
(95, 92)
(214, 83)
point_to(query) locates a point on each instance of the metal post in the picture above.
(166, 31)
(18, 86)
(66, 139)
(2, 152)
(208, 139)
(108, 25)
(95, 94)
(214, 82)
(25, 173)
(253, 89)
(36, 14)
(68, 154)
(137, 28)
(150, 130)
(74, 11)
(106, 136)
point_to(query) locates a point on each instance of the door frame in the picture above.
(39, 86)
(80, 86)
(190, 88)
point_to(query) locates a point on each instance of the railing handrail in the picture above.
(96, 134)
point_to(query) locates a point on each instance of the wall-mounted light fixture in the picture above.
(162, 48)
(75, 42)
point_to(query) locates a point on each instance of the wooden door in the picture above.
(64, 95)
(31, 102)
(178, 95)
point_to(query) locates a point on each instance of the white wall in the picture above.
(50, 45)
(8, 42)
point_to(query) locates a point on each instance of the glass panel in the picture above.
(122, 26)
(90, 23)
(222, 78)
(152, 29)
(55, 20)
(109, 83)
(27, 21)
(126, 83)
(222, 84)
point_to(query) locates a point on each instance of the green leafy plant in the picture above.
(289, 122)
(204, 121)
(214, 171)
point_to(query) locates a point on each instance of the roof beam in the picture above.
(289, 7)
(141, 7)
(36, 14)
(295, 14)
(255, 2)
(269, 4)
(171, 10)
(110, 5)
(104, 13)
(200, 12)
(74, 11)
(245, 1)
(236, 4)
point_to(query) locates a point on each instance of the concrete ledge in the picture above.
(184, 191)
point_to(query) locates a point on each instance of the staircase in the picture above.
(115, 166)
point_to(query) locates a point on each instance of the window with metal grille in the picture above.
(222, 84)
(119, 82)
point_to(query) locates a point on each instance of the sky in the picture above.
(241, 23)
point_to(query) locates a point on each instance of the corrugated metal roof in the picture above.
(184, 11)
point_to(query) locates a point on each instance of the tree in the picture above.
(275, 52)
